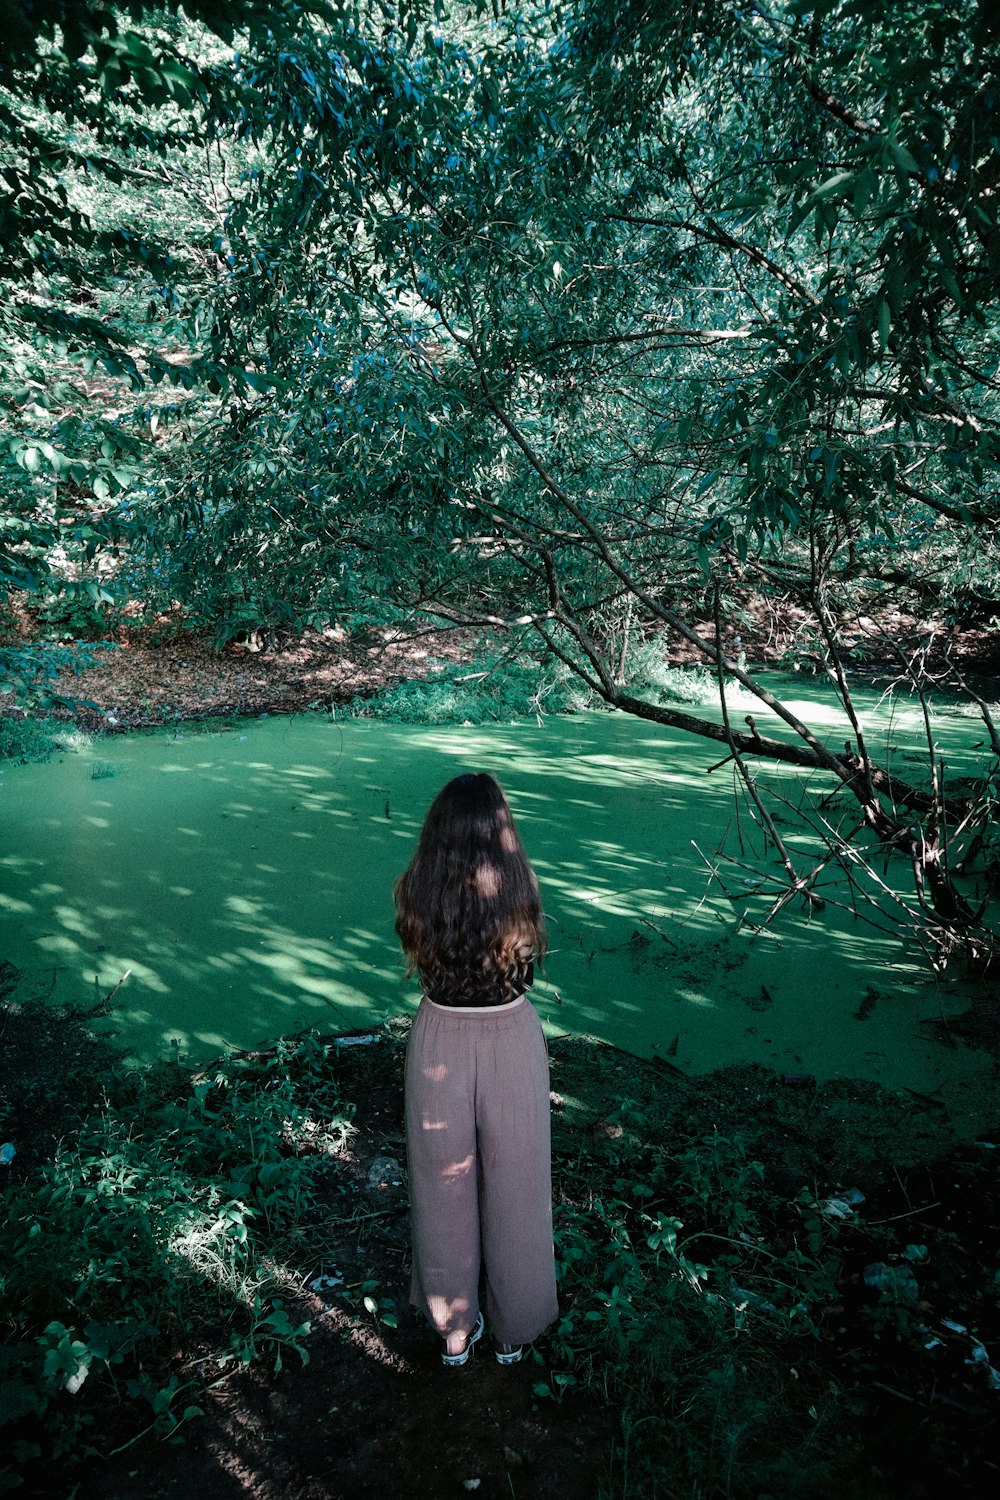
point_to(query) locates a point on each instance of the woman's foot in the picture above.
(509, 1354)
(453, 1361)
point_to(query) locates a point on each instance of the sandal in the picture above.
(509, 1354)
(453, 1361)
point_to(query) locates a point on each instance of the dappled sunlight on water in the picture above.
(244, 877)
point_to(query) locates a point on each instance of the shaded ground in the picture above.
(373, 1412)
(152, 678)
(145, 682)
(365, 1420)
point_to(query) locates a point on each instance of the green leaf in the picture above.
(838, 183)
(884, 324)
(903, 158)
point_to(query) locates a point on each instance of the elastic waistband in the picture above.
(476, 1010)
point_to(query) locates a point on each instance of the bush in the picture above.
(25, 739)
(688, 1327)
(647, 673)
(28, 673)
(77, 612)
(496, 688)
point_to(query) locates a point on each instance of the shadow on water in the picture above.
(244, 877)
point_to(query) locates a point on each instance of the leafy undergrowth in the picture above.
(145, 1209)
(766, 1288)
(494, 686)
(778, 1292)
(29, 676)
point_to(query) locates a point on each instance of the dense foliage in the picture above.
(612, 325)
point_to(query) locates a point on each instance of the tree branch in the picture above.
(715, 234)
(822, 96)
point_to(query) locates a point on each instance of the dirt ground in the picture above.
(153, 677)
(374, 1412)
(144, 681)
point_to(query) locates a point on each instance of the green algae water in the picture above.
(243, 874)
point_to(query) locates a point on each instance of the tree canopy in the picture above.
(607, 325)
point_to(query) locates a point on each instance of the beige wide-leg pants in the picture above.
(480, 1169)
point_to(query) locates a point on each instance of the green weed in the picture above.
(714, 1178)
(272, 1330)
(683, 1303)
(365, 1296)
(494, 688)
(169, 1202)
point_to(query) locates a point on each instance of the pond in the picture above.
(242, 873)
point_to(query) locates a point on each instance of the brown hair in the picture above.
(467, 907)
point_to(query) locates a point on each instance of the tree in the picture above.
(613, 324)
(633, 323)
(113, 194)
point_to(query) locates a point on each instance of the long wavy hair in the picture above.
(467, 908)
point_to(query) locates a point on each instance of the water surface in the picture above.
(243, 875)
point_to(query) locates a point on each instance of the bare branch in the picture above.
(797, 885)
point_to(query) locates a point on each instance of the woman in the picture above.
(477, 1077)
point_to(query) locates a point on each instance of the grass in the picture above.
(24, 740)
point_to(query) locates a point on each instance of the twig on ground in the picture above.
(923, 1209)
(103, 1006)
